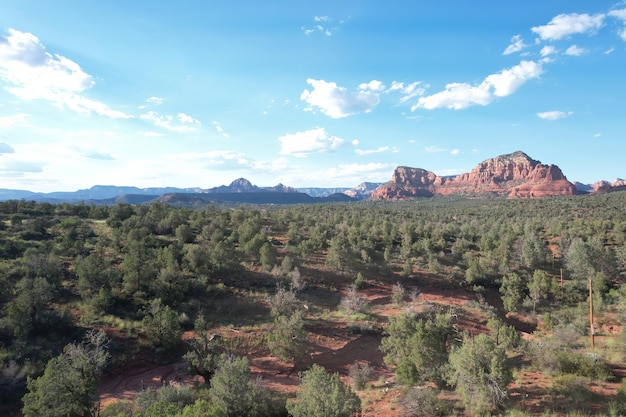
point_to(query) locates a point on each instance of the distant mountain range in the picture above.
(240, 190)
(514, 175)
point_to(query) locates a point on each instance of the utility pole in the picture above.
(593, 345)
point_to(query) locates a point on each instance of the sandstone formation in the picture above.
(606, 187)
(515, 175)
(363, 190)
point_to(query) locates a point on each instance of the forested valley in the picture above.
(436, 307)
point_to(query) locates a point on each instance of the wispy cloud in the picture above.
(575, 50)
(156, 101)
(554, 115)
(621, 15)
(31, 73)
(179, 123)
(409, 91)
(302, 144)
(220, 130)
(462, 95)
(322, 24)
(547, 51)
(97, 155)
(434, 149)
(363, 152)
(565, 25)
(14, 120)
(337, 102)
(21, 166)
(516, 45)
(342, 174)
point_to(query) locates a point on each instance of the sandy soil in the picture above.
(333, 347)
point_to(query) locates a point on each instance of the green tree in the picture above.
(202, 356)
(268, 254)
(233, 390)
(25, 311)
(162, 325)
(540, 287)
(479, 374)
(584, 258)
(534, 251)
(512, 291)
(184, 233)
(417, 346)
(69, 384)
(94, 273)
(323, 395)
(138, 266)
(287, 338)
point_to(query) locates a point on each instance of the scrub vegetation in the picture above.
(419, 308)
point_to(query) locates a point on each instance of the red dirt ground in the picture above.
(331, 346)
(334, 348)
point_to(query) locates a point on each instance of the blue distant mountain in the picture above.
(240, 190)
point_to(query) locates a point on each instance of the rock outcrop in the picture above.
(363, 190)
(607, 187)
(514, 175)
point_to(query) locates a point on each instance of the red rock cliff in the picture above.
(512, 175)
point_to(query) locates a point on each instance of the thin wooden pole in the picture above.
(593, 345)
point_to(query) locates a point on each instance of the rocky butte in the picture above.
(514, 175)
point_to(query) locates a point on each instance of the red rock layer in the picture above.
(514, 175)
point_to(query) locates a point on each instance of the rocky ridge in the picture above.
(606, 186)
(514, 175)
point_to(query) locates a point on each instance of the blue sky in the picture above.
(324, 93)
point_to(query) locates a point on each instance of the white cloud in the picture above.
(517, 44)
(151, 134)
(348, 170)
(506, 82)
(434, 149)
(409, 91)
(31, 73)
(597, 135)
(338, 102)
(373, 85)
(20, 166)
(19, 119)
(575, 50)
(6, 148)
(155, 101)
(554, 115)
(455, 96)
(302, 144)
(461, 95)
(455, 152)
(223, 160)
(363, 152)
(564, 25)
(220, 130)
(181, 123)
(322, 24)
(620, 14)
(344, 174)
(548, 50)
(95, 154)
